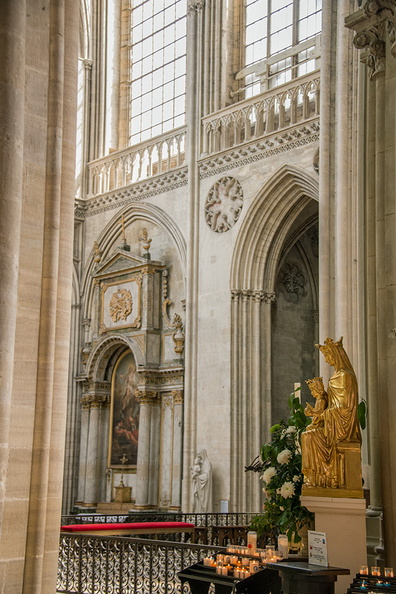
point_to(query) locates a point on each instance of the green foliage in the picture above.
(362, 413)
(282, 477)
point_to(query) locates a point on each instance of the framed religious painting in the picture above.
(124, 414)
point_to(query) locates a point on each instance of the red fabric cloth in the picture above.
(124, 525)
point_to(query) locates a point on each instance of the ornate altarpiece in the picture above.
(134, 336)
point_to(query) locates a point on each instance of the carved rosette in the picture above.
(223, 204)
(292, 283)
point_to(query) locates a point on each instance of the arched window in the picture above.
(158, 67)
(280, 41)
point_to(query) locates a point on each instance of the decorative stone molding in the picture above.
(132, 193)
(252, 294)
(269, 298)
(177, 396)
(223, 204)
(96, 400)
(161, 377)
(149, 397)
(256, 151)
(292, 282)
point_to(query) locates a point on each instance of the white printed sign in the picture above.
(317, 548)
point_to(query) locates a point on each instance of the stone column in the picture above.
(12, 105)
(42, 540)
(193, 101)
(91, 475)
(155, 436)
(177, 447)
(82, 470)
(143, 458)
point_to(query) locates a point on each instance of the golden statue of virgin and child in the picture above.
(331, 444)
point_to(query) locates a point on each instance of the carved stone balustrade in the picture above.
(288, 105)
(155, 156)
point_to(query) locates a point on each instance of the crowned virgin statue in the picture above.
(331, 443)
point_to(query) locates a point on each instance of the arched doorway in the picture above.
(273, 230)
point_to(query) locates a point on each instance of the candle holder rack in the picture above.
(372, 583)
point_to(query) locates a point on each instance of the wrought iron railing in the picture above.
(121, 565)
(216, 519)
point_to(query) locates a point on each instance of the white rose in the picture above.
(291, 429)
(284, 456)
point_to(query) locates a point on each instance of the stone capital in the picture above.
(374, 24)
(195, 6)
(371, 40)
(149, 397)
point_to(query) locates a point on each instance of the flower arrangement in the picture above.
(282, 478)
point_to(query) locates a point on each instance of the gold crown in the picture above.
(314, 380)
(329, 343)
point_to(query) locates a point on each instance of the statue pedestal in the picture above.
(344, 522)
(123, 494)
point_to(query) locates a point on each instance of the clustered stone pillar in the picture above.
(375, 28)
(38, 76)
(94, 443)
(251, 368)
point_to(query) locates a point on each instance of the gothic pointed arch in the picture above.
(281, 213)
(265, 227)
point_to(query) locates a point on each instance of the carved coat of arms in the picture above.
(120, 305)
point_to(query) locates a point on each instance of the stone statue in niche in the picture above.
(201, 475)
(224, 204)
(331, 444)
